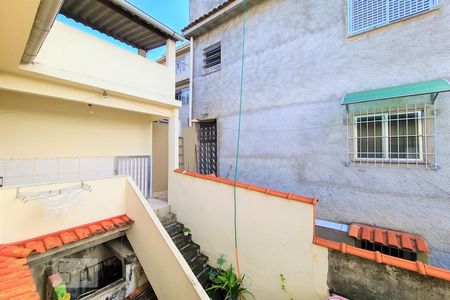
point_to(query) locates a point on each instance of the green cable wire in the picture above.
(239, 128)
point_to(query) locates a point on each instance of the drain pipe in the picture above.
(191, 77)
(45, 16)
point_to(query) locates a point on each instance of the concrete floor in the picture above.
(160, 207)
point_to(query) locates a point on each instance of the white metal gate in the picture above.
(139, 168)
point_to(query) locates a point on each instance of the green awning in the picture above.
(433, 87)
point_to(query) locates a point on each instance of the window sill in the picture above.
(211, 70)
(393, 163)
(390, 161)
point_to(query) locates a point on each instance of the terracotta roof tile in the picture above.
(415, 266)
(83, 233)
(118, 222)
(107, 225)
(37, 246)
(15, 251)
(400, 240)
(96, 229)
(68, 237)
(51, 242)
(288, 196)
(379, 237)
(16, 280)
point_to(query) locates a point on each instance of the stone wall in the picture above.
(358, 278)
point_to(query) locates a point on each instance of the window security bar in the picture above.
(395, 135)
(25, 197)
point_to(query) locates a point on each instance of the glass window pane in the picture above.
(403, 140)
(369, 137)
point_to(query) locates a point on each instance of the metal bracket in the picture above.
(433, 97)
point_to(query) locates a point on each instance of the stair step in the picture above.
(203, 278)
(174, 229)
(181, 240)
(190, 251)
(198, 263)
(168, 219)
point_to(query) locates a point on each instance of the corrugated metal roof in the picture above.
(120, 20)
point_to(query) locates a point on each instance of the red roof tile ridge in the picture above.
(288, 196)
(57, 233)
(388, 237)
(16, 280)
(415, 266)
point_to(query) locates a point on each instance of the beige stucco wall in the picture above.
(20, 221)
(43, 127)
(79, 56)
(160, 157)
(166, 269)
(189, 148)
(274, 234)
(163, 264)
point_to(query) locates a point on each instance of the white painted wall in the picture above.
(274, 236)
(74, 54)
(162, 262)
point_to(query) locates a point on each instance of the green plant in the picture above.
(186, 230)
(283, 284)
(283, 280)
(215, 271)
(229, 284)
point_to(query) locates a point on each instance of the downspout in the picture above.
(191, 78)
(45, 16)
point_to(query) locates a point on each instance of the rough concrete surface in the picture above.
(358, 278)
(200, 7)
(299, 64)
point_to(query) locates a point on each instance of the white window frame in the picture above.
(181, 64)
(433, 5)
(385, 138)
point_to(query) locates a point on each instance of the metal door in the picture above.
(207, 152)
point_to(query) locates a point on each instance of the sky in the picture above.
(173, 13)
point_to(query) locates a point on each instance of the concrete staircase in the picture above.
(190, 250)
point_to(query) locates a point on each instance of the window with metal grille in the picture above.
(212, 57)
(388, 250)
(393, 135)
(365, 15)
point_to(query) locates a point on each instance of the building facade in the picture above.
(383, 163)
(182, 81)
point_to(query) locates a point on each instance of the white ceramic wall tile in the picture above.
(46, 167)
(9, 181)
(46, 178)
(88, 164)
(88, 175)
(69, 176)
(69, 165)
(19, 167)
(2, 168)
(106, 163)
(105, 173)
